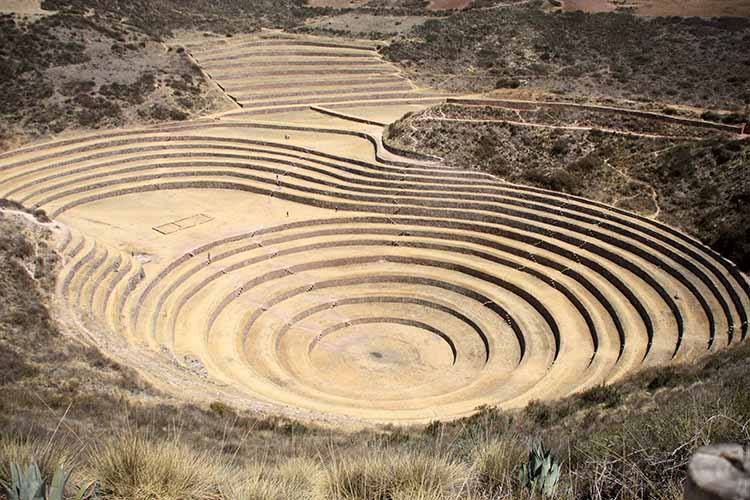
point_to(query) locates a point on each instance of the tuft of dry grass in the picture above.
(496, 461)
(257, 482)
(394, 474)
(296, 479)
(23, 450)
(302, 477)
(134, 467)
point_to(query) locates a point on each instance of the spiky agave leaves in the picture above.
(28, 486)
(56, 490)
(31, 486)
(541, 473)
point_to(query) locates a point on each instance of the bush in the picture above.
(161, 112)
(220, 408)
(711, 116)
(486, 147)
(735, 119)
(507, 83)
(538, 412)
(564, 181)
(561, 146)
(607, 395)
(13, 368)
(587, 164)
(665, 377)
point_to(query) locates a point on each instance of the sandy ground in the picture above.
(449, 4)
(687, 8)
(22, 7)
(367, 23)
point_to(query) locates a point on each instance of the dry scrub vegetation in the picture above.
(95, 64)
(695, 61)
(70, 71)
(701, 186)
(158, 18)
(63, 401)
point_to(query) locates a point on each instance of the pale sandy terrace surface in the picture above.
(449, 4)
(280, 257)
(22, 6)
(588, 5)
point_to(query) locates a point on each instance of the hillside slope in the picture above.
(585, 55)
(699, 185)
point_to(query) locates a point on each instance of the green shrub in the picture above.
(539, 412)
(561, 146)
(220, 408)
(47, 454)
(541, 474)
(563, 181)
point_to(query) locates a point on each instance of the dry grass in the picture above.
(48, 454)
(394, 474)
(134, 467)
(496, 462)
(627, 452)
(297, 479)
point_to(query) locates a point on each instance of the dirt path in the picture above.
(525, 105)
(521, 123)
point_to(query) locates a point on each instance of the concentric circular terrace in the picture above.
(294, 261)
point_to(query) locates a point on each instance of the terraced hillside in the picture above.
(293, 263)
(270, 73)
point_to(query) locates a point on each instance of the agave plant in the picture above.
(31, 485)
(542, 472)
